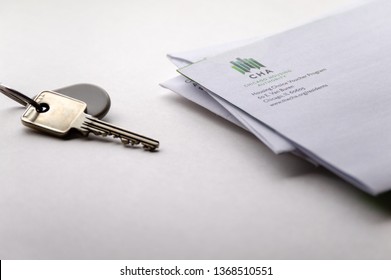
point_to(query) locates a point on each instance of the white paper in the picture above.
(324, 86)
(220, 107)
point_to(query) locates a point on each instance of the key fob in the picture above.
(97, 99)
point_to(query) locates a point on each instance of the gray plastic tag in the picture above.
(97, 99)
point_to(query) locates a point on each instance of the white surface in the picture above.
(213, 191)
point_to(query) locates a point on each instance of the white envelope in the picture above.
(188, 89)
(323, 85)
(195, 93)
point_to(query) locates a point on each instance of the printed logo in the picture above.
(246, 66)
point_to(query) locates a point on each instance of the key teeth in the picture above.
(149, 148)
(94, 127)
(125, 141)
(98, 133)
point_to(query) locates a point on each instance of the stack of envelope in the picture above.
(319, 90)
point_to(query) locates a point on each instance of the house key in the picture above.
(58, 114)
(97, 99)
(53, 122)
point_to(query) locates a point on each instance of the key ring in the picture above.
(21, 98)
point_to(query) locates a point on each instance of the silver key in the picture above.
(61, 114)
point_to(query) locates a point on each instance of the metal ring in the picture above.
(20, 97)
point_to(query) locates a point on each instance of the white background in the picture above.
(212, 191)
(111, 269)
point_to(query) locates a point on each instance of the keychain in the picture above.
(97, 99)
(58, 113)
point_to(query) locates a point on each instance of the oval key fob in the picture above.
(97, 99)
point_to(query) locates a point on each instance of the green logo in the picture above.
(245, 65)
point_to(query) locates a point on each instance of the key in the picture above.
(60, 114)
(97, 99)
